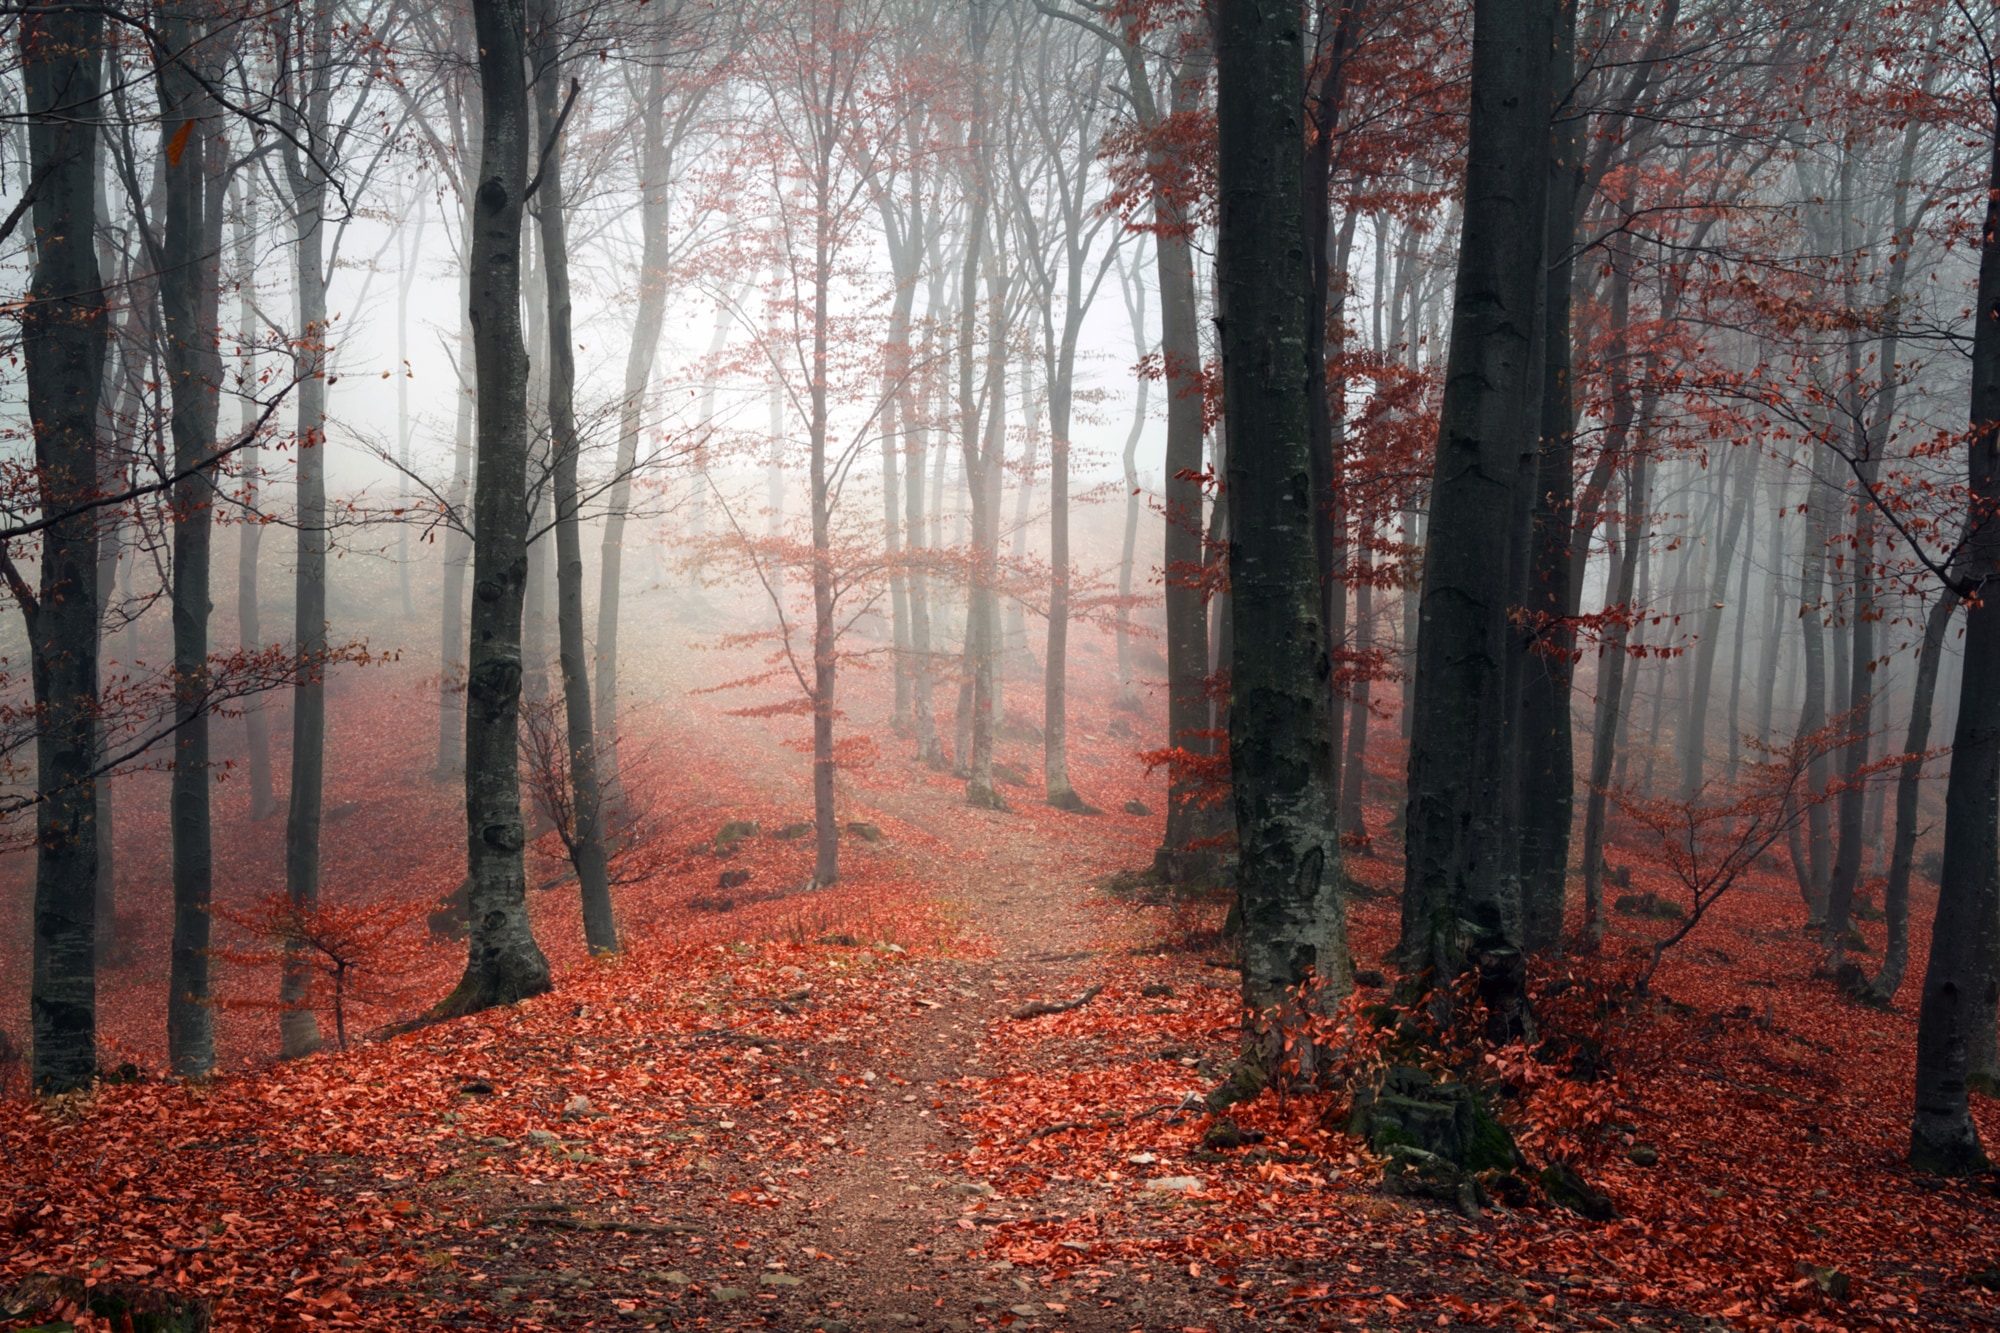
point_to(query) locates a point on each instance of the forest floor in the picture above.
(825, 1109)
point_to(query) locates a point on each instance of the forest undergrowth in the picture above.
(840, 1108)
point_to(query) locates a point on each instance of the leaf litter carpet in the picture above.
(820, 1110)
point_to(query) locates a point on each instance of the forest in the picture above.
(1127, 665)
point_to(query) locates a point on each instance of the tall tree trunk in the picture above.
(1353, 818)
(826, 647)
(1128, 683)
(1961, 986)
(1610, 697)
(655, 164)
(111, 455)
(1738, 639)
(250, 540)
(409, 248)
(975, 744)
(916, 446)
(1281, 724)
(1851, 805)
(1181, 552)
(298, 1027)
(1694, 722)
(63, 326)
(1812, 713)
(593, 873)
(1462, 889)
(1612, 659)
(1544, 655)
(193, 159)
(458, 544)
(504, 964)
(1909, 780)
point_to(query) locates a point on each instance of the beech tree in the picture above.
(1281, 717)
(62, 343)
(504, 964)
(1462, 904)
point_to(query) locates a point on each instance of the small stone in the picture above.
(1175, 1184)
(793, 832)
(727, 1293)
(1025, 1311)
(1156, 991)
(732, 879)
(1643, 1154)
(676, 1277)
(978, 1187)
(865, 831)
(541, 1138)
(1142, 1159)
(576, 1108)
(1136, 806)
(829, 1325)
(477, 1087)
(792, 974)
(781, 1280)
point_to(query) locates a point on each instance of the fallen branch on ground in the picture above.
(1040, 1007)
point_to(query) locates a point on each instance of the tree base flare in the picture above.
(1947, 1148)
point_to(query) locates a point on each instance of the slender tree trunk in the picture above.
(1961, 986)
(1281, 725)
(1896, 891)
(1610, 696)
(975, 743)
(1128, 683)
(1055, 665)
(1812, 714)
(826, 661)
(655, 164)
(250, 540)
(110, 429)
(1544, 655)
(1462, 890)
(408, 250)
(504, 964)
(1737, 640)
(593, 874)
(1851, 805)
(298, 1025)
(1694, 723)
(1181, 554)
(63, 326)
(190, 278)
(1353, 818)
(896, 368)
(916, 445)
(458, 544)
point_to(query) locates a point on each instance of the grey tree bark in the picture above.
(648, 317)
(1962, 979)
(1882, 988)
(1693, 731)
(250, 540)
(593, 872)
(309, 104)
(1281, 712)
(1135, 305)
(63, 326)
(1462, 905)
(1543, 657)
(189, 255)
(503, 964)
